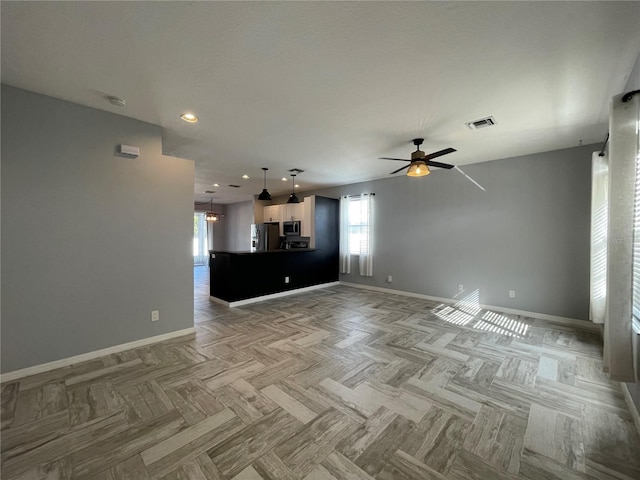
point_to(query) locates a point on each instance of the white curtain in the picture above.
(345, 254)
(623, 152)
(210, 235)
(366, 253)
(599, 215)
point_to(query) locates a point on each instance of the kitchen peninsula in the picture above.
(240, 276)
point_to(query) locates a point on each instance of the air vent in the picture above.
(234, 186)
(482, 123)
(209, 191)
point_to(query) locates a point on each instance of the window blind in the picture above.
(636, 250)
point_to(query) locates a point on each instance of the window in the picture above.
(358, 226)
(356, 232)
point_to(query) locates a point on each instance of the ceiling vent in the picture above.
(482, 123)
(234, 186)
(209, 191)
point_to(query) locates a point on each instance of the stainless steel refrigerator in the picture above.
(265, 236)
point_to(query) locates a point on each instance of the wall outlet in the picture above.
(287, 279)
(155, 315)
(460, 288)
(389, 278)
(512, 294)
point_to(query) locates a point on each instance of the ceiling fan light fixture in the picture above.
(264, 195)
(420, 162)
(418, 169)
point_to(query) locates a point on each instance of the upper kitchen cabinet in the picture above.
(309, 215)
(273, 213)
(292, 211)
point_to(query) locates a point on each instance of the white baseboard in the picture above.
(632, 406)
(262, 298)
(583, 324)
(65, 362)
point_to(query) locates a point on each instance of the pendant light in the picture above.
(292, 197)
(264, 195)
(211, 215)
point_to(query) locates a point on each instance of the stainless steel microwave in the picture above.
(291, 227)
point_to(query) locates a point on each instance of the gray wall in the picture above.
(218, 228)
(238, 218)
(527, 231)
(91, 242)
(633, 83)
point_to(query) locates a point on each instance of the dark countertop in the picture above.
(246, 252)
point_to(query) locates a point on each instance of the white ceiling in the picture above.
(330, 86)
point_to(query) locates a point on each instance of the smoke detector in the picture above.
(481, 123)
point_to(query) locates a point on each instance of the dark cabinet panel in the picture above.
(240, 276)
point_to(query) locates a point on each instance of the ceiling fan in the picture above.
(420, 162)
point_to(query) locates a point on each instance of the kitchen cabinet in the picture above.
(273, 213)
(303, 212)
(233, 274)
(309, 216)
(292, 211)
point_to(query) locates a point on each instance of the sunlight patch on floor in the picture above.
(467, 309)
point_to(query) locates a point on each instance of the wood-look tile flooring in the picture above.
(338, 383)
(202, 311)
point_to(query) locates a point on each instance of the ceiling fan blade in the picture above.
(438, 164)
(400, 169)
(387, 158)
(439, 153)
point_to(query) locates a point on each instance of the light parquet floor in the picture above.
(338, 383)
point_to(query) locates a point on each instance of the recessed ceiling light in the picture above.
(189, 117)
(297, 186)
(283, 179)
(245, 176)
(215, 185)
(118, 102)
